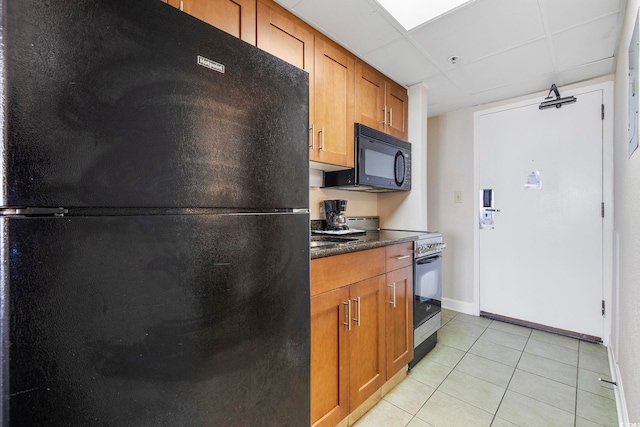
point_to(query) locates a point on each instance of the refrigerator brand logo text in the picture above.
(213, 65)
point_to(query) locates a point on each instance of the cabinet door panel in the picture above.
(174, 3)
(370, 86)
(341, 270)
(334, 103)
(397, 105)
(284, 36)
(236, 17)
(329, 358)
(367, 339)
(398, 256)
(288, 38)
(399, 319)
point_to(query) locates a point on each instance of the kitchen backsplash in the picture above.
(358, 204)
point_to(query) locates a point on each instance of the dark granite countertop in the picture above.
(372, 239)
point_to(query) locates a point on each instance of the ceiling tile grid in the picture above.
(506, 48)
(402, 61)
(481, 29)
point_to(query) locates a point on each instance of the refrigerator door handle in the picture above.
(39, 212)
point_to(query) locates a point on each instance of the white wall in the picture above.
(627, 228)
(450, 169)
(408, 210)
(358, 203)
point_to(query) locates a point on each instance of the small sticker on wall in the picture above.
(533, 181)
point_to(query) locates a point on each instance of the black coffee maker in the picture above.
(333, 210)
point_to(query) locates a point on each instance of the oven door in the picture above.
(427, 288)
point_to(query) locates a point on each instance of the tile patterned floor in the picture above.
(489, 373)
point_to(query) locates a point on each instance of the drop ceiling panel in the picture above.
(506, 68)
(586, 43)
(524, 87)
(440, 89)
(354, 23)
(584, 72)
(482, 28)
(444, 107)
(507, 48)
(569, 13)
(402, 62)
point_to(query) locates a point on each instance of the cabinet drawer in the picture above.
(340, 270)
(398, 256)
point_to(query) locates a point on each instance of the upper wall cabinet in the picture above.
(331, 80)
(340, 92)
(332, 124)
(380, 103)
(236, 17)
(287, 37)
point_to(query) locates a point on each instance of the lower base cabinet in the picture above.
(367, 367)
(329, 358)
(399, 315)
(347, 349)
(359, 337)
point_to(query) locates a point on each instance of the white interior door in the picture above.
(542, 260)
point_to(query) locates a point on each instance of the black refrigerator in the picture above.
(155, 226)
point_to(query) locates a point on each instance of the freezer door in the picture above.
(136, 104)
(158, 321)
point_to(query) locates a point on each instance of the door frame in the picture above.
(607, 188)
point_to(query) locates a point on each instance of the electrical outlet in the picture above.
(457, 197)
(321, 211)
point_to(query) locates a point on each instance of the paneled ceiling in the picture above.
(506, 48)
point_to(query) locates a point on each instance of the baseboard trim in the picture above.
(618, 390)
(533, 325)
(460, 306)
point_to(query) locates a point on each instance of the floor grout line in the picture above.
(521, 353)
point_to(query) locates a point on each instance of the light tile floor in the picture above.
(489, 373)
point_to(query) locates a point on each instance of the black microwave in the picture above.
(382, 164)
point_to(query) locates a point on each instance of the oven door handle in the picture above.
(429, 260)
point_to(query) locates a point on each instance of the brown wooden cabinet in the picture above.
(331, 80)
(332, 124)
(340, 92)
(236, 17)
(174, 3)
(347, 333)
(347, 349)
(284, 35)
(399, 319)
(367, 339)
(380, 103)
(399, 307)
(359, 339)
(329, 358)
